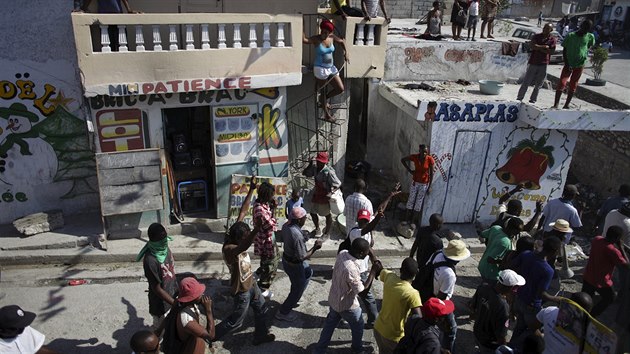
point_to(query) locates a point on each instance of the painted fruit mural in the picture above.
(527, 162)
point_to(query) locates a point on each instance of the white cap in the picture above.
(510, 278)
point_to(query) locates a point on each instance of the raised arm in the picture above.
(338, 6)
(532, 223)
(245, 207)
(504, 198)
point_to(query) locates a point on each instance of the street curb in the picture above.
(73, 256)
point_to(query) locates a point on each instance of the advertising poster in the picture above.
(238, 191)
(235, 133)
(578, 328)
(120, 130)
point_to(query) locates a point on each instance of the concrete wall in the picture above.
(408, 8)
(136, 122)
(46, 159)
(601, 148)
(393, 133)
(416, 60)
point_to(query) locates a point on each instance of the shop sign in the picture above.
(120, 130)
(239, 189)
(235, 133)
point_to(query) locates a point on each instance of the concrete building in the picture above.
(483, 145)
(139, 115)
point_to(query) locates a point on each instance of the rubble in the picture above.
(40, 222)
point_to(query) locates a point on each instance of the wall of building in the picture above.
(249, 130)
(46, 158)
(393, 133)
(602, 148)
(408, 8)
(416, 60)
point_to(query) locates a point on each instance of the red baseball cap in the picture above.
(322, 157)
(434, 308)
(190, 289)
(364, 214)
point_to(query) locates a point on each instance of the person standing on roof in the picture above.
(543, 45)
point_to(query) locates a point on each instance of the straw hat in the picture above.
(456, 250)
(562, 226)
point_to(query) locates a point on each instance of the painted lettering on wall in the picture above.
(194, 85)
(232, 137)
(233, 111)
(415, 55)
(120, 130)
(458, 55)
(268, 133)
(25, 89)
(238, 191)
(505, 61)
(100, 102)
(453, 112)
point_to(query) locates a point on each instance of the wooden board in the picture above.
(130, 181)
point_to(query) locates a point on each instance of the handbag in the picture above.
(337, 204)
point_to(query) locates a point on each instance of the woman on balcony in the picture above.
(324, 67)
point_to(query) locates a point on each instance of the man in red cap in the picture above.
(16, 334)
(421, 182)
(422, 331)
(326, 182)
(183, 334)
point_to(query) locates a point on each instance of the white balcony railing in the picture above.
(130, 53)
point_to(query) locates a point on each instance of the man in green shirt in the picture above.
(498, 243)
(574, 54)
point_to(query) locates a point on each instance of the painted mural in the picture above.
(235, 133)
(482, 150)
(45, 155)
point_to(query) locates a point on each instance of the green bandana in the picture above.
(159, 249)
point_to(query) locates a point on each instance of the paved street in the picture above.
(101, 316)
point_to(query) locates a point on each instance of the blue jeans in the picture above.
(525, 315)
(355, 321)
(369, 301)
(449, 332)
(299, 274)
(242, 302)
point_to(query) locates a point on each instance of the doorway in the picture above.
(464, 178)
(189, 148)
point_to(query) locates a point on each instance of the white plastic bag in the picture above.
(336, 202)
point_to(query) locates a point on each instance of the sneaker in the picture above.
(317, 233)
(289, 317)
(368, 325)
(299, 303)
(474, 40)
(267, 293)
(269, 337)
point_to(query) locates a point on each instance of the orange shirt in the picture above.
(422, 168)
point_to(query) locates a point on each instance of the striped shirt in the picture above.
(346, 283)
(355, 202)
(263, 242)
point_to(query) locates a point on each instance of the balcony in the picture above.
(127, 54)
(366, 42)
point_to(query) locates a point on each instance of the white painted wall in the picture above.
(477, 164)
(46, 159)
(409, 59)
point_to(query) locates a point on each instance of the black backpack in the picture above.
(346, 244)
(424, 279)
(171, 343)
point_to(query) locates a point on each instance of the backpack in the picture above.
(346, 244)
(171, 342)
(424, 279)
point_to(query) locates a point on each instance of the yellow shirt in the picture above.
(399, 297)
(334, 8)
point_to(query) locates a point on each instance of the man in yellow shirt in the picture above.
(399, 299)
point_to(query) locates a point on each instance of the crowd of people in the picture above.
(417, 314)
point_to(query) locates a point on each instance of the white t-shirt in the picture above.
(354, 234)
(557, 209)
(372, 7)
(473, 9)
(184, 318)
(554, 342)
(617, 218)
(444, 278)
(29, 342)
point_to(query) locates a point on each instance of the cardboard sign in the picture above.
(239, 189)
(576, 326)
